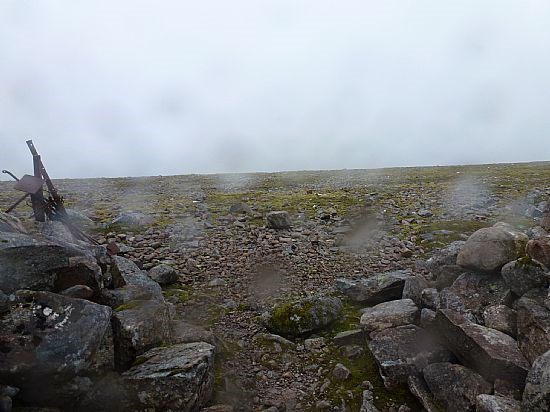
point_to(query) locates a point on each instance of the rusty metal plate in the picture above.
(29, 184)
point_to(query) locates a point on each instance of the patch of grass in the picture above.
(127, 306)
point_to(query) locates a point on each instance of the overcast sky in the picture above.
(123, 88)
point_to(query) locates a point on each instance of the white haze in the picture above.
(115, 88)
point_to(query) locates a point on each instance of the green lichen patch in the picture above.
(127, 306)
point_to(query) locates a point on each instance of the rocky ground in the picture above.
(362, 296)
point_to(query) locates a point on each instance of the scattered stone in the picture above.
(429, 298)
(444, 257)
(523, 275)
(375, 289)
(490, 248)
(533, 324)
(215, 283)
(314, 344)
(304, 316)
(536, 397)
(447, 275)
(163, 274)
(424, 213)
(502, 318)
(404, 351)
(368, 402)
(351, 351)
(134, 221)
(389, 314)
(179, 377)
(138, 326)
(489, 352)
(427, 318)
(240, 209)
(494, 403)
(278, 220)
(455, 386)
(340, 372)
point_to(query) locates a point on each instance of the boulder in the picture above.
(185, 332)
(427, 318)
(471, 293)
(50, 341)
(138, 326)
(9, 223)
(539, 250)
(420, 390)
(447, 276)
(491, 353)
(134, 221)
(444, 257)
(413, 288)
(389, 314)
(495, 403)
(350, 337)
(240, 209)
(179, 377)
(55, 230)
(29, 263)
(278, 220)
(163, 274)
(502, 318)
(404, 351)
(455, 386)
(524, 274)
(78, 292)
(490, 248)
(80, 220)
(130, 284)
(536, 396)
(374, 289)
(533, 324)
(429, 298)
(303, 316)
(367, 404)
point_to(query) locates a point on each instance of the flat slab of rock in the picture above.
(536, 396)
(389, 314)
(138, 326)
(502, 318)
(49, 339)
(303, 316)
(374, 289)
(490, 248)
(455, 386)
(404, 351)
(494, 403)
(489, 352)
(420, 390)
(533, 324)
(177, 378)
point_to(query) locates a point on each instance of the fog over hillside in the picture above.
(169, 87)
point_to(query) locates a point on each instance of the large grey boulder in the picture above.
(132, 220)
(444, 257)
(138, 326)
(420, 390)
(9, 223)
(536, 396)
(389, 314)
(490, 248)
(495, 403)
(40, 264)
(303, 316)
(489, 352)
(49, 341)
(374, 289)
(163, 274)
(539, 250)
(455, 386)
(471, 293)
(533, 324)
(278, 220)
(404, 351)
(523, 275)
(174, 378)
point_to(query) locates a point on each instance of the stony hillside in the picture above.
(360, 290)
